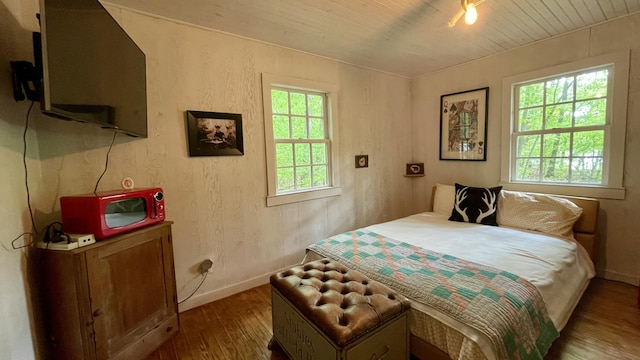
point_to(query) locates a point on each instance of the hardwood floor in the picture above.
(605, 325)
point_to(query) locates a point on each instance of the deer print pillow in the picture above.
(475, 205)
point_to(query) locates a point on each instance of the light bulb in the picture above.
(471, 15)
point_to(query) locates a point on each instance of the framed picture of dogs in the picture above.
(214, 133)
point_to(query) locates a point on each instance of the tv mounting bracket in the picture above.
(25, 77)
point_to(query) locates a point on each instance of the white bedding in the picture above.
(559, 268)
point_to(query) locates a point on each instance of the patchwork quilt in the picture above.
(505, 307)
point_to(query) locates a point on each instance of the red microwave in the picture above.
(110, 213)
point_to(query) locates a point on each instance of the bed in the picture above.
(543, 244)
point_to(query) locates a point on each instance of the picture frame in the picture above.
(214, 133)
(415, 169)
(463, 125)
(362, 161)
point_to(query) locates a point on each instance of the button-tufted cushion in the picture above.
(342, 302)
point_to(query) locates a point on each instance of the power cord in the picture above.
(106, 164)
(26, 184)
(54, 233)
(24, 163)
(204, 277)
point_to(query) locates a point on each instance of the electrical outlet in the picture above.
(205, 266)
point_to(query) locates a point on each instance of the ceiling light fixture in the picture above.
(468, 9)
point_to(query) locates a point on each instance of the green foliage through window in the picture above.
(302, 144)
(560, 126)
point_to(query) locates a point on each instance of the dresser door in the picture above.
(130, 288)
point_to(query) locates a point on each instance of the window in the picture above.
(299, 141)
(566, 128)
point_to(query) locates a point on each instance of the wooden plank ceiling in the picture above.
(404, 37)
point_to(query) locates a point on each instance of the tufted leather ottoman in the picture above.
(323, 310)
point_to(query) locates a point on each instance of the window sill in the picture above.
(569, 190)
(302, 196)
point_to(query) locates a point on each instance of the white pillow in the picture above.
(443, 199)
(539, 212)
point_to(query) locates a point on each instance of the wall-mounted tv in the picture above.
(93, 72)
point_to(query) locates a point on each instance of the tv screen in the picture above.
(92, 71)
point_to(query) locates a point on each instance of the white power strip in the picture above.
(75, 241)
(82, 239)
(57, 246)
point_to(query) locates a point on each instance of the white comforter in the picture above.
(559, 268)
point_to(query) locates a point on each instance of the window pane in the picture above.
(587, 170)
(592, 85)
(303, 177)
(560, 90)
(279, 101)
(591, 112)
(315, 105)
(281, 127)
(319, 153)
(530, 119)
(284, 155)
(558, 116)
(299, 127)
(299, 122)
(531, 95)
(556, 145)
(555, 170)
(560, 127)
(285, 179)
(320, 176)
(298, 104)
(317, 128)
(528, 169)
(303, 154)
(528, 146)
(588, 143)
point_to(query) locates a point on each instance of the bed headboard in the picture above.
(585, 228)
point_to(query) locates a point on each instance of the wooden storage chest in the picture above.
(321, 310)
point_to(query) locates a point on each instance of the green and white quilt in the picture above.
(505, 307)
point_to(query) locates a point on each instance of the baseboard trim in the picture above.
(211, 296)
(612, 275)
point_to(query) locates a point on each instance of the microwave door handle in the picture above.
(157, 197)
(155, 208)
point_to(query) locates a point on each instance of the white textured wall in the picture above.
(218, 204)
(619, 229)
(17, 20)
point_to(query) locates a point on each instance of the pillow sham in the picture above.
(475, 205)
(538, 212)
(443, 199)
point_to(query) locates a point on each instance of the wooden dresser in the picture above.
(115, 299)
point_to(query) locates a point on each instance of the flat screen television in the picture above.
(92, 71)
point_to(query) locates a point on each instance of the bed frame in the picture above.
(584, 232)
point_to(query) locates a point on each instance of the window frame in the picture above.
(615, 128)
(331, 94)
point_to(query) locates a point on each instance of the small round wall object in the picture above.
(127, 183)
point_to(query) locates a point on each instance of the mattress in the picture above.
(559, 268)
